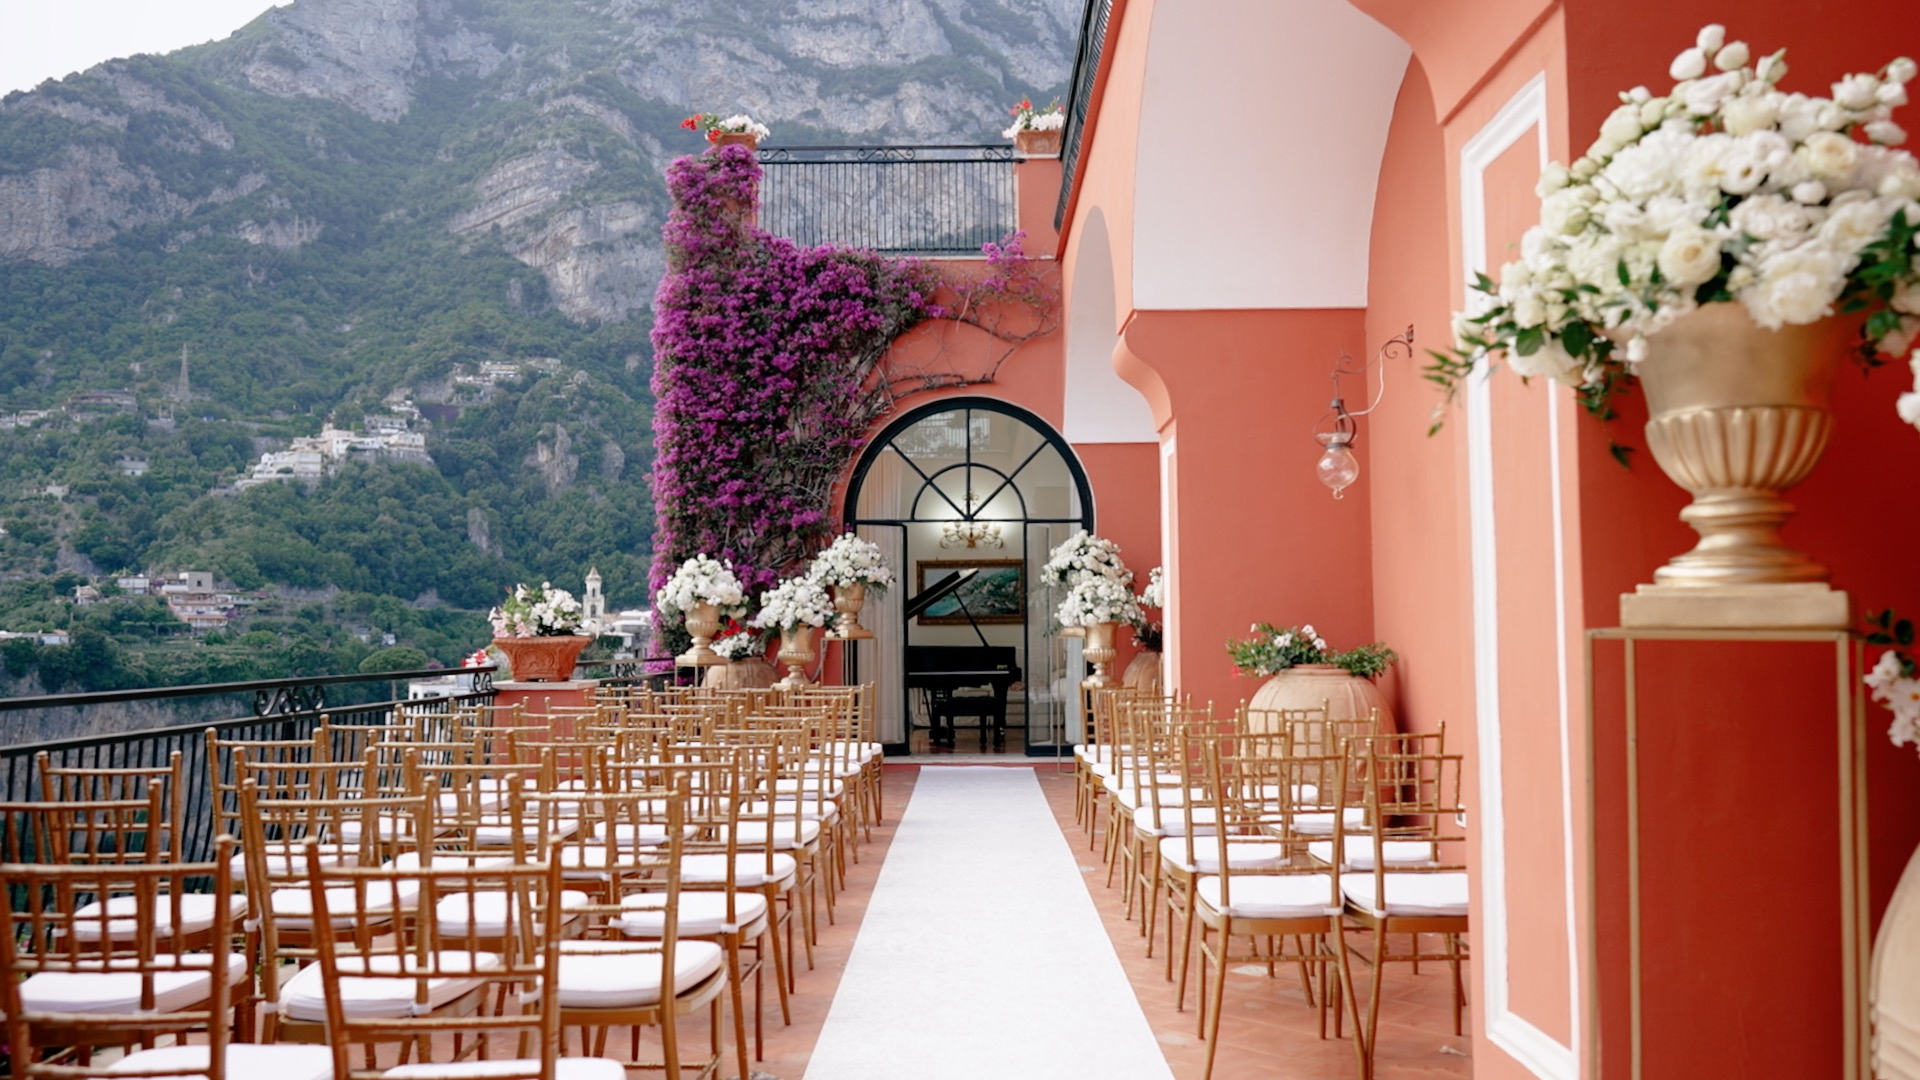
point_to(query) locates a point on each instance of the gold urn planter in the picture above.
(548, 658)
(796, 652)
(1737, 415)
(848, 600)
(703, 621)
(1100, 653)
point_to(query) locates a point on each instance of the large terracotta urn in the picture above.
(796, 652)
(746, 673)
(1306, 686)
(549, 658)
(1737, 415)
(848, 600)
(1146, 673)
(1099, 652)
(1893, 997)
(703, 621)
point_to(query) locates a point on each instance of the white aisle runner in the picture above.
(981, 956)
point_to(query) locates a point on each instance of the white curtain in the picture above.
(881, 658)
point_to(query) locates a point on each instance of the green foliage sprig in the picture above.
(1271, 650)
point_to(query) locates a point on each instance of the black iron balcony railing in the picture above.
(907, 200)
(280, 709)
(1086, 70)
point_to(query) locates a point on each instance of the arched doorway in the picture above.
(971, 483)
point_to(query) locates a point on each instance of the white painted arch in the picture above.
(1100, 407)
(1262, 128)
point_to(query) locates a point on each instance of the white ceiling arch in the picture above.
(1100, 407)
(1262, 127)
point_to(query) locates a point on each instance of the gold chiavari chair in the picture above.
(1413, 799)
(432, 987)
(1175, 802)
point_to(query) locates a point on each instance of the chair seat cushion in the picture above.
(102, 990)
(197, 911)
(498, 831)
(808, 809)
(809, 788)
(362, 997)
(788, 834)
(285, 860)
(1320, 823)
(634, 834)
(1360, 852)
(281, 1061)
(565, 1069)
(1272, 896)
(1433, 895)
(488, 912)
(750, 871)
(1175, 820)
(612, 974)
(1241, 854)
(702, 914)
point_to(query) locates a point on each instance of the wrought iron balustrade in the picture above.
(1086, 70)
(908, 200)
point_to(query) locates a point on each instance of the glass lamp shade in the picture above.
(1337, 467)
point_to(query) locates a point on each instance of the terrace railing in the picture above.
(905, 200)
(279, 709)
(1086, 70)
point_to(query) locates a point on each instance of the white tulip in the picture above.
(1689, 65)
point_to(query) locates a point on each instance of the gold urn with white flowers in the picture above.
(854, 569)
(1718, 242)
(703, 591)
(797, 607)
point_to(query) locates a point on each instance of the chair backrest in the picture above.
(1413, 797)
(1262, 793)
(58, 926)
(525, 955)
(108, 833)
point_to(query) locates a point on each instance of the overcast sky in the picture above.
(51, 39)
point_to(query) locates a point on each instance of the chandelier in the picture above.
(969, 533)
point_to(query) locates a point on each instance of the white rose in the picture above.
(1892, 95)
(1855, 93)
(1886, 133)
(1529, 309)
(1901, 71)
(1853, 223)
(1809, 192)
(1666, 213)
(1552, 179)
(1653, 113)
(1799, 117)
(1797, 286)
(1770, 69)
(1706, 164)
(1733, 57)
(1744, 115)
(1750, 160)
(1550, 360)
(1690, 256)
(1703, 98)
(1712, 36)
(1769, 217)
(1909, 408)
(1907, 302)
(1689, 65)
(1622, 125)
(1565, 211)
(1828, 155)
(1625, 219)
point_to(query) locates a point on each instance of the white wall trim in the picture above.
(1169, 587)
(1539, 1052)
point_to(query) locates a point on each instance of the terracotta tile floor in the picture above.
(1267, 1032)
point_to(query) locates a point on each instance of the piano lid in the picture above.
(934, 592)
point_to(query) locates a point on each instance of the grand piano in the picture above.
(938, 673)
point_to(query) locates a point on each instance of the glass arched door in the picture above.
(980, 484)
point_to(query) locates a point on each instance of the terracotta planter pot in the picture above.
(1037, 143)
(542, 659)
(1306, 686)
(1146, 673)
(751, 673)
(735, 138)
(796, 652)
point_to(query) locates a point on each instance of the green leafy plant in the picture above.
(1271, 650)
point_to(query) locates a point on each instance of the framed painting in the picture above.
(997, 594)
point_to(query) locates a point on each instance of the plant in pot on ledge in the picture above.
(1097, 604)
(1303, 672)
(852, 568)
(1078, 558)
(702, 591)
(728, 130)
(539, 630)
(796, 607)
(1036, 132)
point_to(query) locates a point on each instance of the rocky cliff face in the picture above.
(544, 125)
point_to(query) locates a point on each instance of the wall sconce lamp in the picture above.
(1336, 432)
(970, 533)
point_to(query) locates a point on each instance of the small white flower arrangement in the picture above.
(536, 612)
(714, 125)
(1154, 594)
(1724, 190)
(795, 602)
(850, 560)
(1028, 118)
(738, 642)
(702, 580)
(1895, 678)
(1084, 555)
(1099, 599)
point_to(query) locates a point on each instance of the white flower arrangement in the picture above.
(747, 642)
(702, 580)
(1154, 595)
(1028, 118)
(1099, 599)
(850, 560)
(542, 612)
(714, 126)
(1895, 678)
(1726, 189)
(1081, 556)
(795, 602)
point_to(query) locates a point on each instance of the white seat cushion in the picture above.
(304, 996)
(1241, 854)
(795, 787)
(1276, 896)
(611, 975)
(1175, 820)
(702, 914)
(566, 1069)
(282, 1061)
(634, 834)
(100, 989)
(788, 834)
(284, 860)
(1320, 823)
(809, 809)
(1360, 852)
(499, 831)
(1436, 895)
(749, 872)
(488, 912)
(196, 916)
